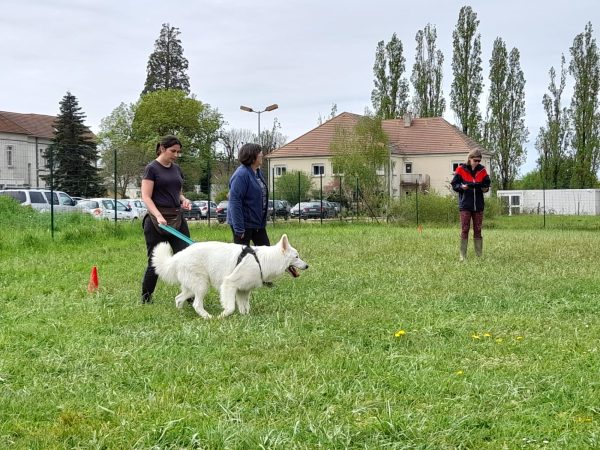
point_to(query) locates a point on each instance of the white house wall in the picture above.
(24, 169)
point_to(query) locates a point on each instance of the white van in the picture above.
(39, 199)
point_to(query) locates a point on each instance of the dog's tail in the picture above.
(163, 263)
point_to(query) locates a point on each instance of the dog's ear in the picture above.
(284, 243)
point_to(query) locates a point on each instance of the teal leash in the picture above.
(174, 232)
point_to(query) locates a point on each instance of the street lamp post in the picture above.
(268, 108)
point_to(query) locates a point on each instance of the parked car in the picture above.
(309, 210)
(200, 210)
(222, 211)
(337, 206)
(104, 208)
(137, 206)
(282, 209)
(39, 199)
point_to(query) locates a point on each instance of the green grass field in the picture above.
(385, 342)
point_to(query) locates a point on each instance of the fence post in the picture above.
(321, 195)
(357, 198)
(417, 201)
(299, 201)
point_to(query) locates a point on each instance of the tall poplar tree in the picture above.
(505, 133)
(167, 66)
(466, 67)
(72, 154)
(585, 68)
(390, 96)
(554, 163)
(427, 75)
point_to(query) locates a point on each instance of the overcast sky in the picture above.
(304, 55)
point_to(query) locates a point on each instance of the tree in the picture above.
(466, 67)
(505, 132)
(293, 186)
(232, 140)
(390, 96)
(427, 75)
(332, 114)
(116, 138)
(585, 68)
(167, 66)
(360, 153)
(272, 139)
(196, 124)
(72, 154)
(554, 164)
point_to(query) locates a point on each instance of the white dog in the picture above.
(218, 264)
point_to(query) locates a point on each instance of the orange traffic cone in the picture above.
(93, 284)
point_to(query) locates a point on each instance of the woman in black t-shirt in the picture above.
(162, 193)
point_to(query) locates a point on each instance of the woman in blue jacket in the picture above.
(248, 196)
(471, 181)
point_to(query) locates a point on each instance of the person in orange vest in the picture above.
(471, 181)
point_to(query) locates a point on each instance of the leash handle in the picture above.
(176, 233)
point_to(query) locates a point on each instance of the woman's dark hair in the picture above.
(248, 152)
(166, 142)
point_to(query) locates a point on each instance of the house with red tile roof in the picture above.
(424, 152)
(23, 142)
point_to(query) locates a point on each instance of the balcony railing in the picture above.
(414, 179)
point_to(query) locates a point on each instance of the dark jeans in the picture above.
(153, 238)
(465, 223)
(257, 235)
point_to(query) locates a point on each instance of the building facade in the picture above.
(24, 139)
(423, 154)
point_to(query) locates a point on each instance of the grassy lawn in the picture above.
(385, 342)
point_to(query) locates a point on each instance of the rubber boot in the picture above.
(478, 247)
(463, 249)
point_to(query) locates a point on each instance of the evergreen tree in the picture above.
(72, 154)
(167, 66)
(466, 67)
(427, 75)
(554, 163)
(390, 96)
(505, 132)
(585, 68)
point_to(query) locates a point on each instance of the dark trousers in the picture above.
(258, 236)
(465, 223)
(153, 238)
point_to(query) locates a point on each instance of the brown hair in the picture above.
(476, 153)
(166, 142)
(248, 153)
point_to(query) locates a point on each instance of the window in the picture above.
(408, 167)
(43, 160)
(9, 156)
(455, 166)
(36, 197)
(318, 170)
(279, 170)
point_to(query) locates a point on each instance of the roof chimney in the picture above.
(407, 119)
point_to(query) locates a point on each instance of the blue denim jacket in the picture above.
(246, 209)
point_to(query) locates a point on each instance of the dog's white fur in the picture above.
(206, 264)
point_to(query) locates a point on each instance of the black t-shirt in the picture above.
(168, 182)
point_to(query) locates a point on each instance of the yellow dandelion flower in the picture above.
(475, 336)
(519, 338)
(487, 335)
(583, 419)
(499, 340)
(400, 333)
(459, 372)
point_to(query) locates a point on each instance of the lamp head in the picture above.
(246, 108)
(272, 107)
